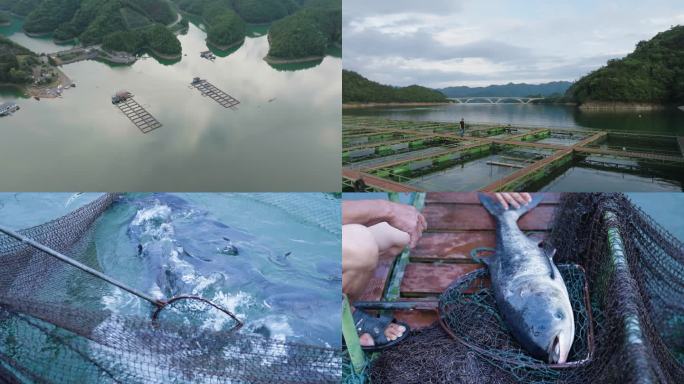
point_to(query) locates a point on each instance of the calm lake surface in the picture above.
(669, 122)
(285, 134)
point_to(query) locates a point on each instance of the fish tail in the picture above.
(497, 210)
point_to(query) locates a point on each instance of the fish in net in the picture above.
(629, 321)
(47, 336)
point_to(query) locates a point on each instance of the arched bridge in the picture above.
(494, 100)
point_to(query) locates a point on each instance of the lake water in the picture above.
(284, 136)
(668, 122)
(294, 297)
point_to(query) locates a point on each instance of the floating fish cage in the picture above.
(371, 146)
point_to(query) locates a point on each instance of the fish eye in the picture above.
(560, 315)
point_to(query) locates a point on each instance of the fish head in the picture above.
(549, 327)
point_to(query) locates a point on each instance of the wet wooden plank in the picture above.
(377, 284)
(376, 182)
(417, 319)
(456, 246)
(471, 198)
(431, 279)
(448, 217)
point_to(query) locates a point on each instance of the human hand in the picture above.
(406, 218)
(514, 199)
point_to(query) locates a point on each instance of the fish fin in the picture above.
(549, 256)
(497, 210)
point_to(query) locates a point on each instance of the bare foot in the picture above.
(392, 332)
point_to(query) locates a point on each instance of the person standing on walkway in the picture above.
(462, 127)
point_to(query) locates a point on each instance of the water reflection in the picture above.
(667, 122)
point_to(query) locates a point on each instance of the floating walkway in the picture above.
(208, 89)
(138, 115)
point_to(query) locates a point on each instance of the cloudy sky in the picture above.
(440, 43)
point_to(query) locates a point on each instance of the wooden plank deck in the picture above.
(138, 115)
(457, 223)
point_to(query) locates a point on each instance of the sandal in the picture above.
(376, 326)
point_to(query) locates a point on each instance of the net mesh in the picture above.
(310, 208)
(49, 336)
(633, 320)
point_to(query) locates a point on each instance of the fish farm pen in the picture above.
(210, 90)
(403, 156)
(136, 113)
(624, 274)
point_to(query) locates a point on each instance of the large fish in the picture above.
(529, 290)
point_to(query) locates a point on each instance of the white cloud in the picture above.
(435, 43)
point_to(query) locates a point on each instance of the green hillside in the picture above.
(20, 7)
(224, 26)
(308, 32)
(264, 11)
(89, 20)
(156, 37)
(15, 62)
(653, 73)
(358, 89)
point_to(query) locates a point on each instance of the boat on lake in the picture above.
(8, 108)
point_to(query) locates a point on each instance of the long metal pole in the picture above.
(83, 267)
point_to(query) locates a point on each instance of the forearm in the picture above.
(365, 212)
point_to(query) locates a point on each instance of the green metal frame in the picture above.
(351, 338)
(399, 267)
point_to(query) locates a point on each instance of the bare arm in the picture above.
(370, 212)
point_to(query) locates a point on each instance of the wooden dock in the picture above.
(457, 224)
(138, 115)
(373, 182)
(209, 90)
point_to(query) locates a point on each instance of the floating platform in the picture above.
(138, 115)
(398, 155)
(208, 89)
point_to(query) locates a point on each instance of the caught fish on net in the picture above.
(49, 336)
(625, 278)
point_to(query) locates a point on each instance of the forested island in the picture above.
(649, 78)
(356, 89)
(307, 34)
